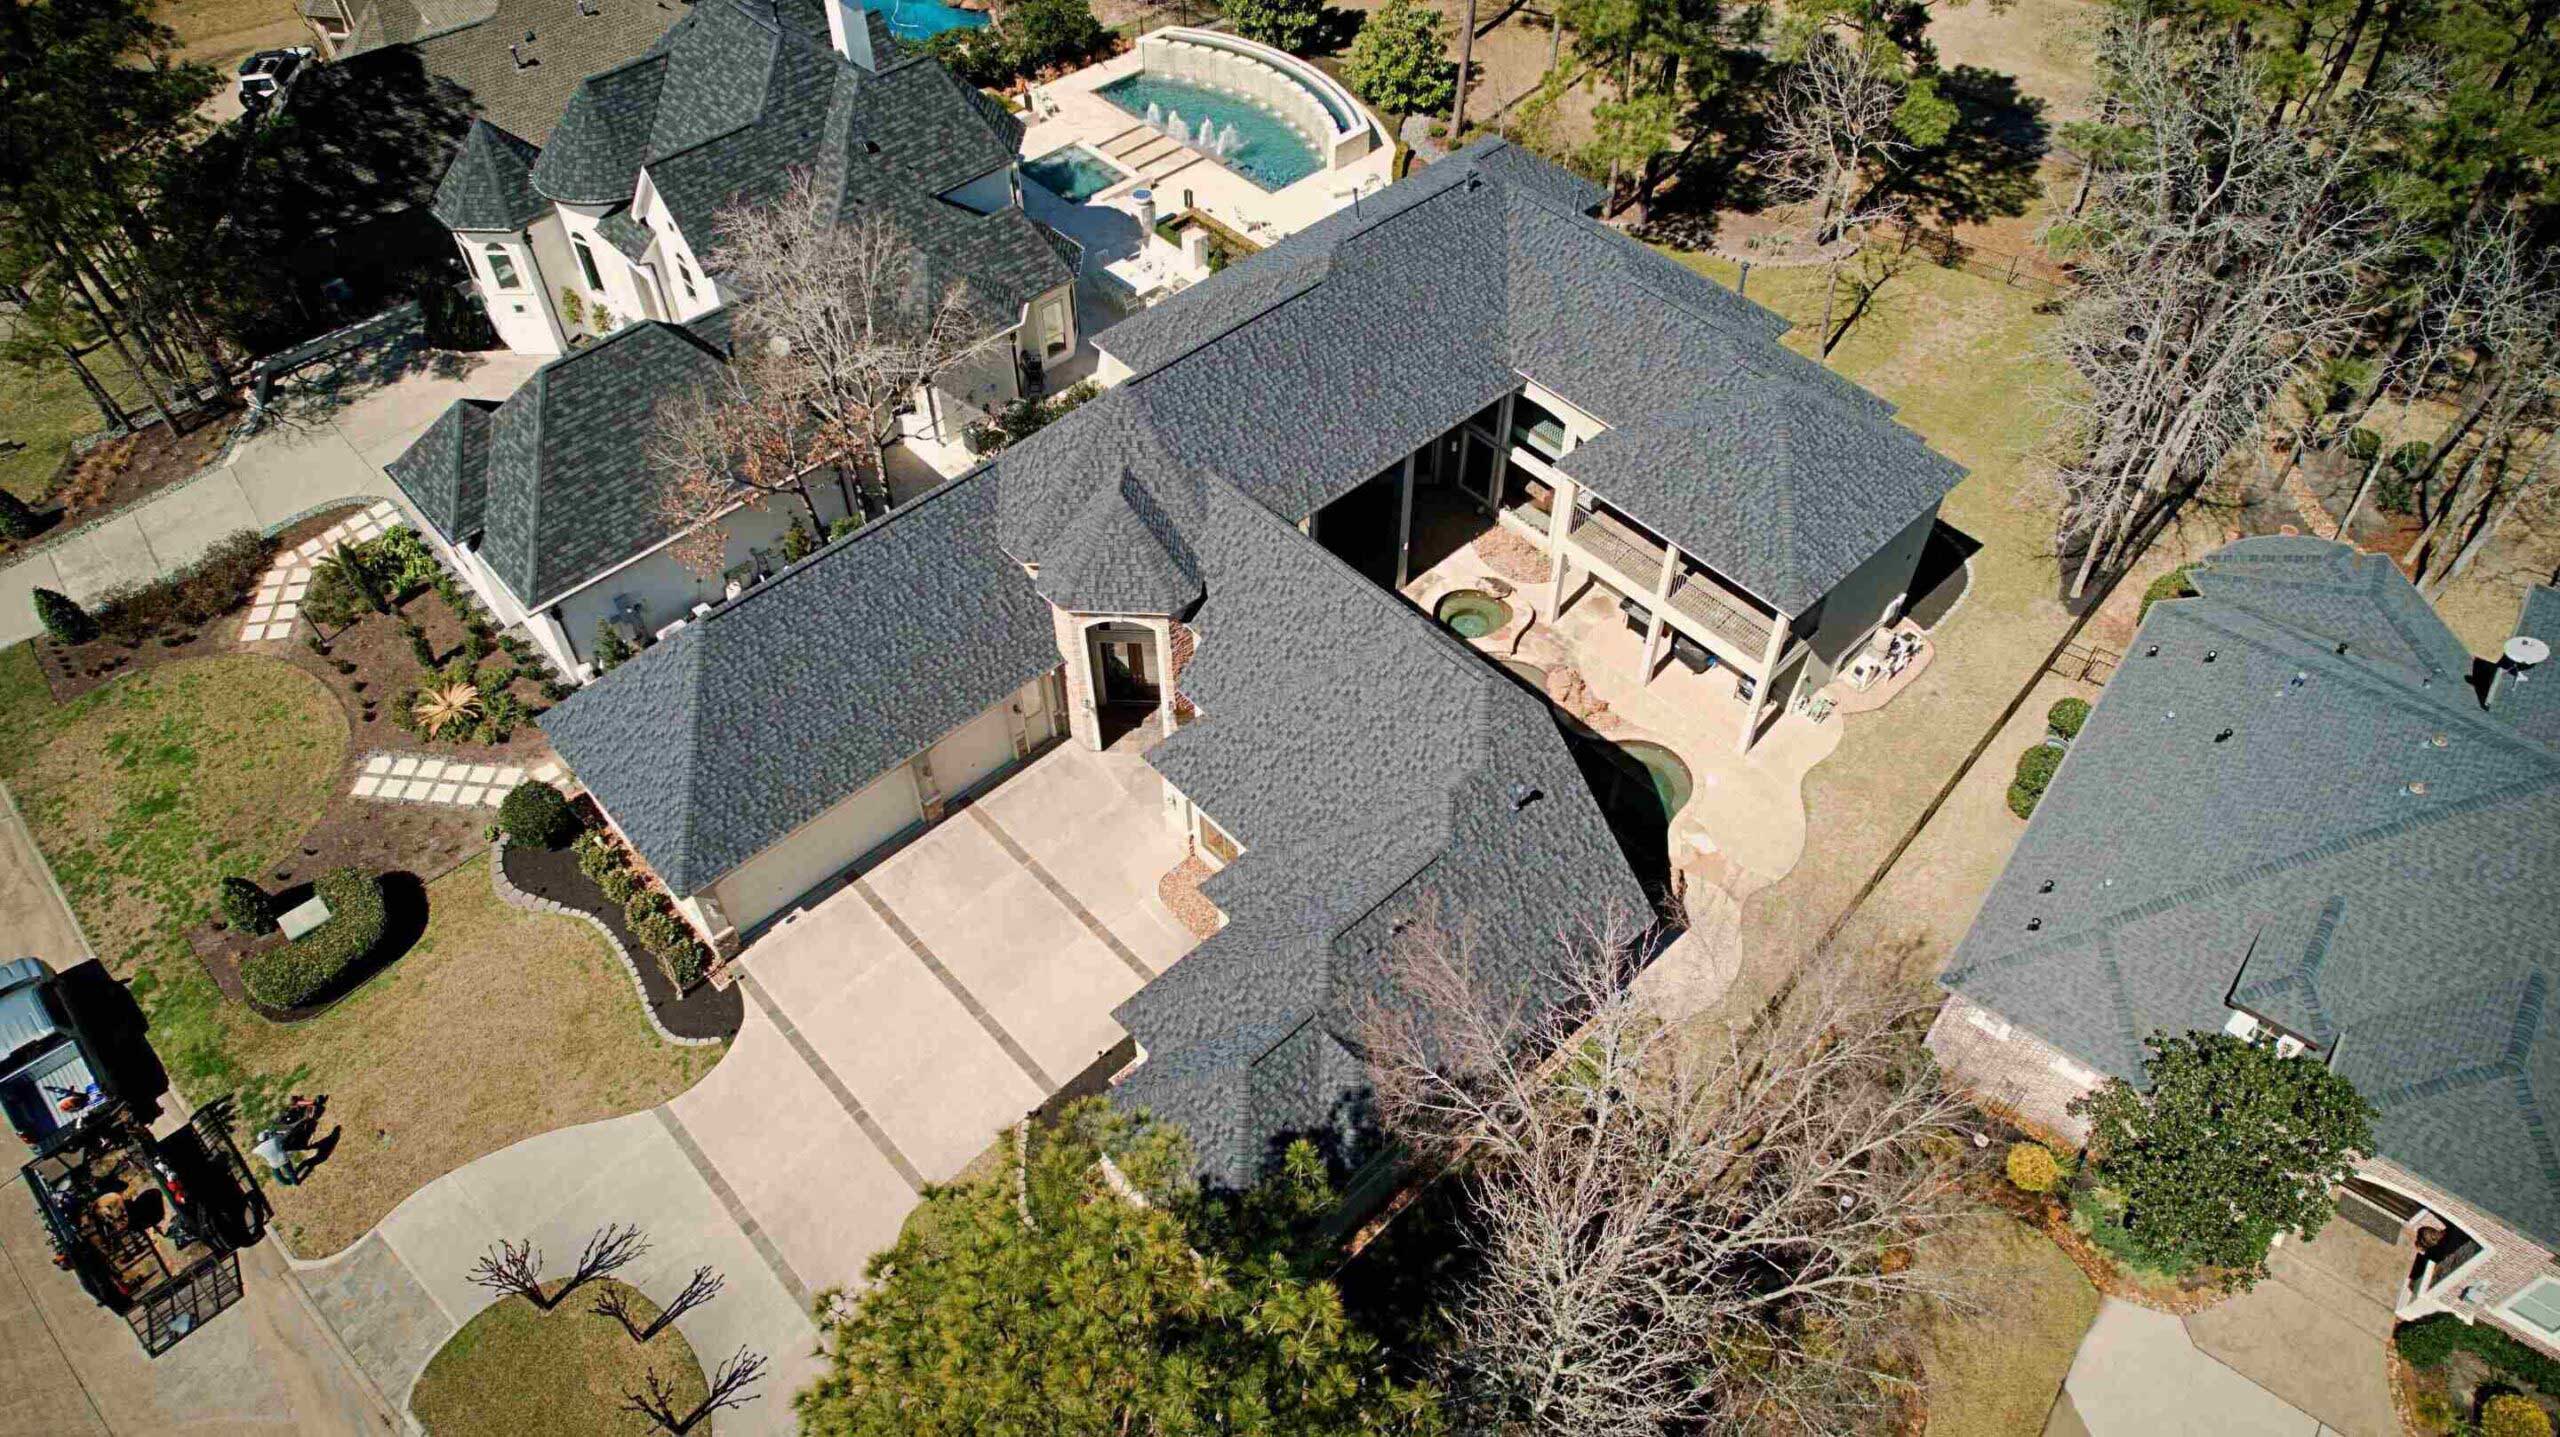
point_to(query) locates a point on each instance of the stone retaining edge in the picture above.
(509, 894)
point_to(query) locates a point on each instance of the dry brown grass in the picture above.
(498, 1025)
(516, 1369)
(1993, 1370)
(221, 30)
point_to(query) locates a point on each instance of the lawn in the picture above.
(497, 1025)
(44, 408)
(1993, 1369)
(1959, 354)
(515, 1368)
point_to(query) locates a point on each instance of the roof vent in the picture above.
(2035, 925)
(2523, 652)
(590, 8)
(523, 60)
(2045, 887)
(2442, 740)
(1522, 795)
(2152, 652)
(2300, 677)
(871, 147)
(2211, 654)
(2223, 737)
(2342, 647)
(2417, 788)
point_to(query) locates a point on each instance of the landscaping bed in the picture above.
(114, 473)
(706, 1010)
(515, 1368)
(229, 955)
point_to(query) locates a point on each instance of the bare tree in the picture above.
(615, 1302)
(727, 1388)
(1702, 1225)
(609, 1249)
(738, 440)
(512, 1267)
(851, 318)
(2224, 255)
(1831, 126)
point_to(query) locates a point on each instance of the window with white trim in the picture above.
(587, 262)
(2538, 1306)
(502, 268)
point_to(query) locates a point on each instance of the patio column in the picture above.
(1661, 606)
(1501, 457)
(1767, 686)
(1559, 524)
(1404, 524)
(1164, 674)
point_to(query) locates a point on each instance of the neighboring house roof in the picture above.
(520, 59)
(751, 720)
(2531, 700)
(490, 184)
(1302, 372)
(446, 472)
(743, 93)
(2290, 801)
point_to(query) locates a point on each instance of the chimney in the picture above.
(850, 29)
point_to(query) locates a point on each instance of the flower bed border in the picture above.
(730, 998)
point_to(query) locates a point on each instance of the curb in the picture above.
(510, 894)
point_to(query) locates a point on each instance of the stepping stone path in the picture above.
(417, 778)
(279, 598)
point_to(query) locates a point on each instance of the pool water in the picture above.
(1074, 174)
(1670, 777)
(1472, 613)
(923, 19)
(1268, 152)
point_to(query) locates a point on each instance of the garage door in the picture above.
(825, 845)
(973, 751)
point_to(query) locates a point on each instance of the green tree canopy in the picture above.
(1073, 1308)
(1289, 24)
(1399, 61)
(2233, 1145)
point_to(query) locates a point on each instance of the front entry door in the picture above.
(1127, 670)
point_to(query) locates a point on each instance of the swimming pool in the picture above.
(924, 19)
(1252, 141)
(1074, 174)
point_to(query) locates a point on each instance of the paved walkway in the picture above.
(278, 600)
(320, 454)
(425, 778)
(893, 1030)
(2138, 1375)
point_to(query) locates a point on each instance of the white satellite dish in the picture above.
(2524, 651)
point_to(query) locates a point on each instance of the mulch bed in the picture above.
(709, 1011)
(72, 670)
(1511, 556)
(117, 472)
(1180, 890)
(385, 666)
(222, 949)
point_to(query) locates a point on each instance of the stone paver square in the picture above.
(308, 548)
(402, 768)
(379, 763)
(483, 773)
(510, 776)
(472, 797)
(417, 790)
(297, 589)
(366, 786)
(260, 613)
(431, 768)
(445, 793)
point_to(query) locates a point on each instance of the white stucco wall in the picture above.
(1858, 603)
(666, 589)
(522, 315)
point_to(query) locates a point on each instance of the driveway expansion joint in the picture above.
(1057, 890)
(756, 1236)
(843, 1095)
(898, 926)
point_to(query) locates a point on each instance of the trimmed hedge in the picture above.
(245, 906)
(63, 617)
(2171, 585)
(2066, 716)
(293, 975)
(2512, 1414)
(2035, 774)
(535, 815)
(2428, 1341)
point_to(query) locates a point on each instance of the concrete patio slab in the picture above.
(2137, 1375)
(2314, 1332)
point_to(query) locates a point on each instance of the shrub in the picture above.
(536, 816)
(1040, 34)
(401, 561)
(2032, 1168)
(17, 518)
(641, 906)
(612, 650)
(331, 600)
(245, 906)
(848, 524)
(683, 964)
(977, 54)
(222, 579)
(293, 975)
(618, 884)
(596, 854)
(419, 649)
(2429, 1341)
(661, 932)
(1398, 62)
(2035, 773)
(797, 542)
(2066, 716)
(2363, 444)
(2171, 585)
(2512, 1414)
(1290, 25)
(63, 617)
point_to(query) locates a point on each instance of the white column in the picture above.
(1768, 683)
(1494, 476)
(1404, 524)
(1164, 675)
(1661, 606)
(1559, 524)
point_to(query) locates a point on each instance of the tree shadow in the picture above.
(1986, 166)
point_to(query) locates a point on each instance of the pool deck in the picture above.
(1067, 111)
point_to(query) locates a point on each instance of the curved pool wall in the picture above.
(1310, 101)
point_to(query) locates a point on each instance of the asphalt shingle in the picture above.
(490, 183)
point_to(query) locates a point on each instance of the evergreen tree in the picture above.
(1290, 25)
(1398, 62)
(17, 517)
(63, 617)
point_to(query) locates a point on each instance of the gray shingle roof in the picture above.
(1300, 373)
(570, 481)
(1374, 770)
(446, 472)
(2345, 845)
(490, 184)
(753, 719)
(468, 42)
(626, 234)
(1112, 559)
(741, 94)
(2531, 699)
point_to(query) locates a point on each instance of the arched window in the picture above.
(587, 261)
(502, 268)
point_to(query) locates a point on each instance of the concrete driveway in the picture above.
(892, 1032)
(325, 446)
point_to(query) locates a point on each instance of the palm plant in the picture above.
(444, 705)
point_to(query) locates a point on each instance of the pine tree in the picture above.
(1398, 62)
(17, 518)
(63, 617)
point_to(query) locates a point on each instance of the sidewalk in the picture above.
(325, 455)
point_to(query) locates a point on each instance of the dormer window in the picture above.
(684, 272)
